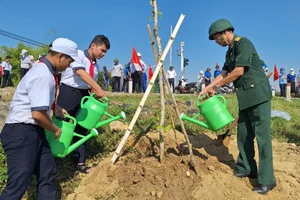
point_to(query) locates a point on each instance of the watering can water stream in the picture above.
(88, 117)
(213, 111)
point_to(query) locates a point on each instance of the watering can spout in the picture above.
(74, 146)
(193, 120)
(122, 115)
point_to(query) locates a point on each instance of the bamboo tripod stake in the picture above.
(140, 107)
(175, 104)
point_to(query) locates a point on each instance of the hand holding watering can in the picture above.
(213, 111)
(89, 117)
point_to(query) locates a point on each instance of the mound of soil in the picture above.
(138, 174)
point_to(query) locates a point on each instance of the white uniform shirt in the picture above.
(25, 63)
(116, 70)
(69, 76)
(35, 92)
(171, 74)
(7, 66)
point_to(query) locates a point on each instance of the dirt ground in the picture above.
(139, 175)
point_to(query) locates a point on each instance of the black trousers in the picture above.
(28, 153)
(7, 79)
(293, 86)
(125, 85)
(137, 81)
(171, 82)
(282, 90)
(23, 72)
(116, 80)
(69, 99)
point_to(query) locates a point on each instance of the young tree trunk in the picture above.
(162, 100)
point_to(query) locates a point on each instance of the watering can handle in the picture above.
(224, 101)
(82, 100)
(199, 99)
(105, 98)
(71, 118)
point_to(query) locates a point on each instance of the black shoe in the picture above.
(263, 189)
(242, 175)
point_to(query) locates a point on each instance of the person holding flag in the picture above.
(137, 67)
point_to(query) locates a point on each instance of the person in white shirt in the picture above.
(25, 63)
(116, 73)
(7, 73)
(78, 81)
(200, 80)
(171, 77)
(23, 135)
(137, 75)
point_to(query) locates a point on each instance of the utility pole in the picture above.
(171, 48)
(182, 60)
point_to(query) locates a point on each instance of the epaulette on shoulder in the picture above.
(237, 39)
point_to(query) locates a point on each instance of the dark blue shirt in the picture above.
(217, 73)
(291, 77)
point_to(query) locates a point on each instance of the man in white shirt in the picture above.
(23, 135)
(7, 73)
(117, 73)
(77, 82)
(25, 63)
(137, 75)
(171, 77)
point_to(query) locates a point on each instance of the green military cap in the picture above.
(116, 60)
(219, 26)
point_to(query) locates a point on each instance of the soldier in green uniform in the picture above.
(243, 68)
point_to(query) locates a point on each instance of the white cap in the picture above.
(201, 72)
(23, 51)
(292, 69)
(66, 46)
(138, 54)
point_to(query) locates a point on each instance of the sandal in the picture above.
(83, 168)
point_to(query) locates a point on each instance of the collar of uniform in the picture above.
(232, 41)
(86, 53)
(48, 64)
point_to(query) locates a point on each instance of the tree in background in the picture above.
(15, 52)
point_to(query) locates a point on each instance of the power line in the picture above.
(21, 38)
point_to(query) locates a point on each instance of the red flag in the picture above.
(276, 76)
(135, 59)
(150, 73)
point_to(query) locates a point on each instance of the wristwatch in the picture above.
(215, 88)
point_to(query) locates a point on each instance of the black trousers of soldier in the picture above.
(28, 153)
(69, 98)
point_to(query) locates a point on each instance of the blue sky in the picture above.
(272, 27)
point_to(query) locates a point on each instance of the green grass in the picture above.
(149, 119)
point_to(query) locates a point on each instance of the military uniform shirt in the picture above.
(35, 92)
(253, 87)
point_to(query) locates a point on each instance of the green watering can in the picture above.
(213, 111)
(62, 147)
(92, 111)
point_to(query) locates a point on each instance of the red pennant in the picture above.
(135, 59)
(150, 73)
(276, 75)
